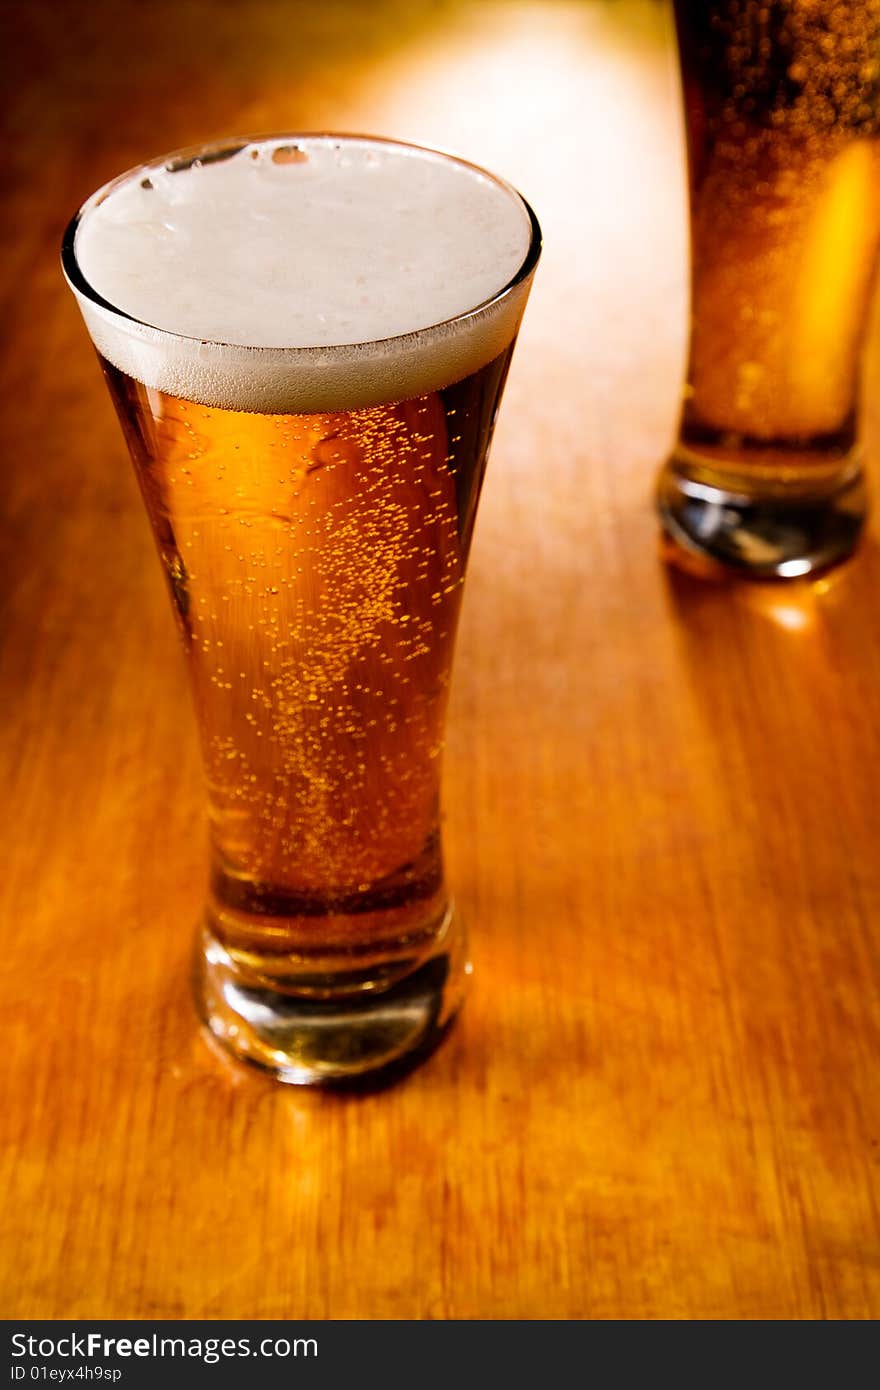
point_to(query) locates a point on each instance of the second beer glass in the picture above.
(781, 101)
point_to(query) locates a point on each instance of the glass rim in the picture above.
(225, 148)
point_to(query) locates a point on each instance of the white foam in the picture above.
(303, 273)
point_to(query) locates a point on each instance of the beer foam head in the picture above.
(302, 273)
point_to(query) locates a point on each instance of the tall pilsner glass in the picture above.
(306, 340)
(781, 102)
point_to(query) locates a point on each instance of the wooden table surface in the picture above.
(662, 796)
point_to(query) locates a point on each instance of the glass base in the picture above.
(771, 532)
(344, 1037)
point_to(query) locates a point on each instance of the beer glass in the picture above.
(781, 104)
(306, 340)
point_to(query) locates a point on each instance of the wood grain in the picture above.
(661, 1100)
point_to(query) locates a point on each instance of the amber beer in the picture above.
(316, 565)
(781, 112)
(310, 450)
